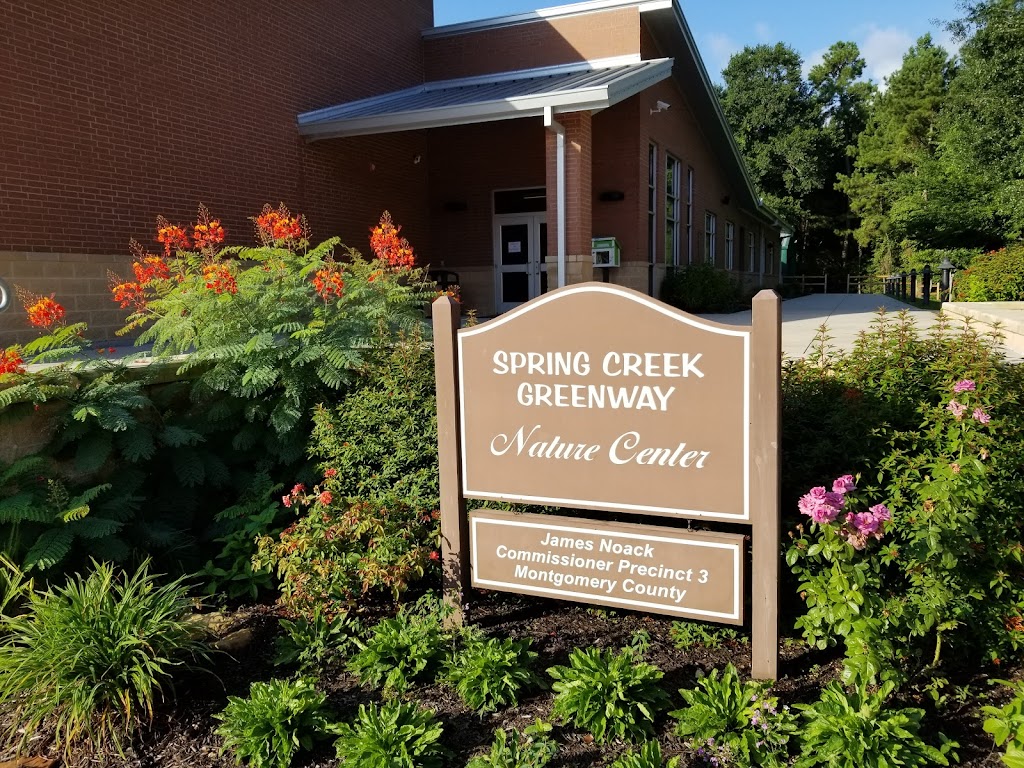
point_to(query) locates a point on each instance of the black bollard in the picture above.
(926, 284)
(903, 286)
(913, 286)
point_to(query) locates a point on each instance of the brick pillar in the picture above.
(578, 199)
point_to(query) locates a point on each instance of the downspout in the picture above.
(559, 129)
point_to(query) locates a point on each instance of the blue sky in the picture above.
(883, 29)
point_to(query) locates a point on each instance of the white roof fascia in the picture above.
(574, 100)
(543, 14)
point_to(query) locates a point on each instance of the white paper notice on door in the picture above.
(515, 247)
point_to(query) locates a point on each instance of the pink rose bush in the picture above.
(825, 507)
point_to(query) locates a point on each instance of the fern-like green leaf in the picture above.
(50, 548)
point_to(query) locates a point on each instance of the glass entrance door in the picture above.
(521, 245)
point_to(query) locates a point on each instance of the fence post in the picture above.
(824, 284)
(926, 284)
(913, 286)
(903, 286)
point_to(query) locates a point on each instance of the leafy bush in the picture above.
(700, 288)
(402, 650)
(309, 642)
(340, 548)
(649, 756)
(856, 730)
(686, 634)
(382, 438)
(738, 716)
(611, 695)
(532, 748)
(490, 672)
(994, 276)
(392, 735)
(278, 718)
(92, 658)
(1006, 724)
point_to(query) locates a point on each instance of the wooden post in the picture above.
(454, 525)
(766, 380)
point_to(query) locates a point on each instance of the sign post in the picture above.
(598, 397)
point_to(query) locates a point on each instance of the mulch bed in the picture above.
(182, 734)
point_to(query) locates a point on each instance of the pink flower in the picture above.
(325, 498)
(298, 489)
(865, 522)
(286, 500)
(843, 484)
(964, 385)
(330, 472)
(435, 555)
(981, 416)
(881, 512)
(956, 409)
(821, 505)
(856, 540)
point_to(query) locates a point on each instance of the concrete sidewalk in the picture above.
(845, 314)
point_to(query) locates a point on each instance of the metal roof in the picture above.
(502, 96)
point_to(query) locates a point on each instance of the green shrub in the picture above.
(994, 276)
(92, 658)
(382, 438)
(392, 735)
(686, 634)
(309, 642)
(402, 650)
(649, 756)
(611, 695)
(856, 730)
(532, 748)
(490, 672)
(1006, 724)
(739, 716)
(278, 718)
(700, 288)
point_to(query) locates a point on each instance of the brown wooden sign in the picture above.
(598, 397)
(644, 567)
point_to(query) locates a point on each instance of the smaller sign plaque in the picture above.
(665, 570)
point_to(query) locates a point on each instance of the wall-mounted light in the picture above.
(417, 159)
(660, 106)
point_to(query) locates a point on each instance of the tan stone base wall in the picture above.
(632, 274)
(578, 269)
(78, 281)
(477, 284)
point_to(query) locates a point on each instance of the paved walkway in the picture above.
(845, 314)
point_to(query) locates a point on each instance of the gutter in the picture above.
(551, 124)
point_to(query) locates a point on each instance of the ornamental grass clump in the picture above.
(93, 658)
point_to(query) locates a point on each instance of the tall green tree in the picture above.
(983, 123)
(844, 100)
(894, 161)
(778, 126)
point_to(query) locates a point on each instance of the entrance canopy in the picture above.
(592, 85)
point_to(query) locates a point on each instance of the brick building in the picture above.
(470, 134)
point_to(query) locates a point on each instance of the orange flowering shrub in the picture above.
(279, 227)
(219, 279)
(389, 247)
(171, 236)
(207, 232)
(328, 282)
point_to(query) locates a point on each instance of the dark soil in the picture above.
(183, 733)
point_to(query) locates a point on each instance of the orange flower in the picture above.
(1014, 624)
(150, 268)
(219, 279)
(42, 311)
(393, 250)
(208, 234)
(129, 295)
(280, 226)
(11, 362)
(328, 282)
(170, 235)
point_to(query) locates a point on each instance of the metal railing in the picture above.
(807, 283)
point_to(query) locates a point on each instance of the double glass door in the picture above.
(520, 259)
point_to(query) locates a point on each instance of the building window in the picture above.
(771, 258)
(730, 245)
(652, 204)
(689, 215)
(671, 211)
(710, 237)
(751, 251)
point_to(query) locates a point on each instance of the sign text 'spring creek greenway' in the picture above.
(598, 397)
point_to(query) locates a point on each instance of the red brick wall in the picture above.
(538, 43)
(115, 112)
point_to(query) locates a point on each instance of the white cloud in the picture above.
(813, 60)
(883, 49)
(764, 32)
(720, 49)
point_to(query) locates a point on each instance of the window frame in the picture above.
(730, 245)
(671, 207)
(710, 237)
